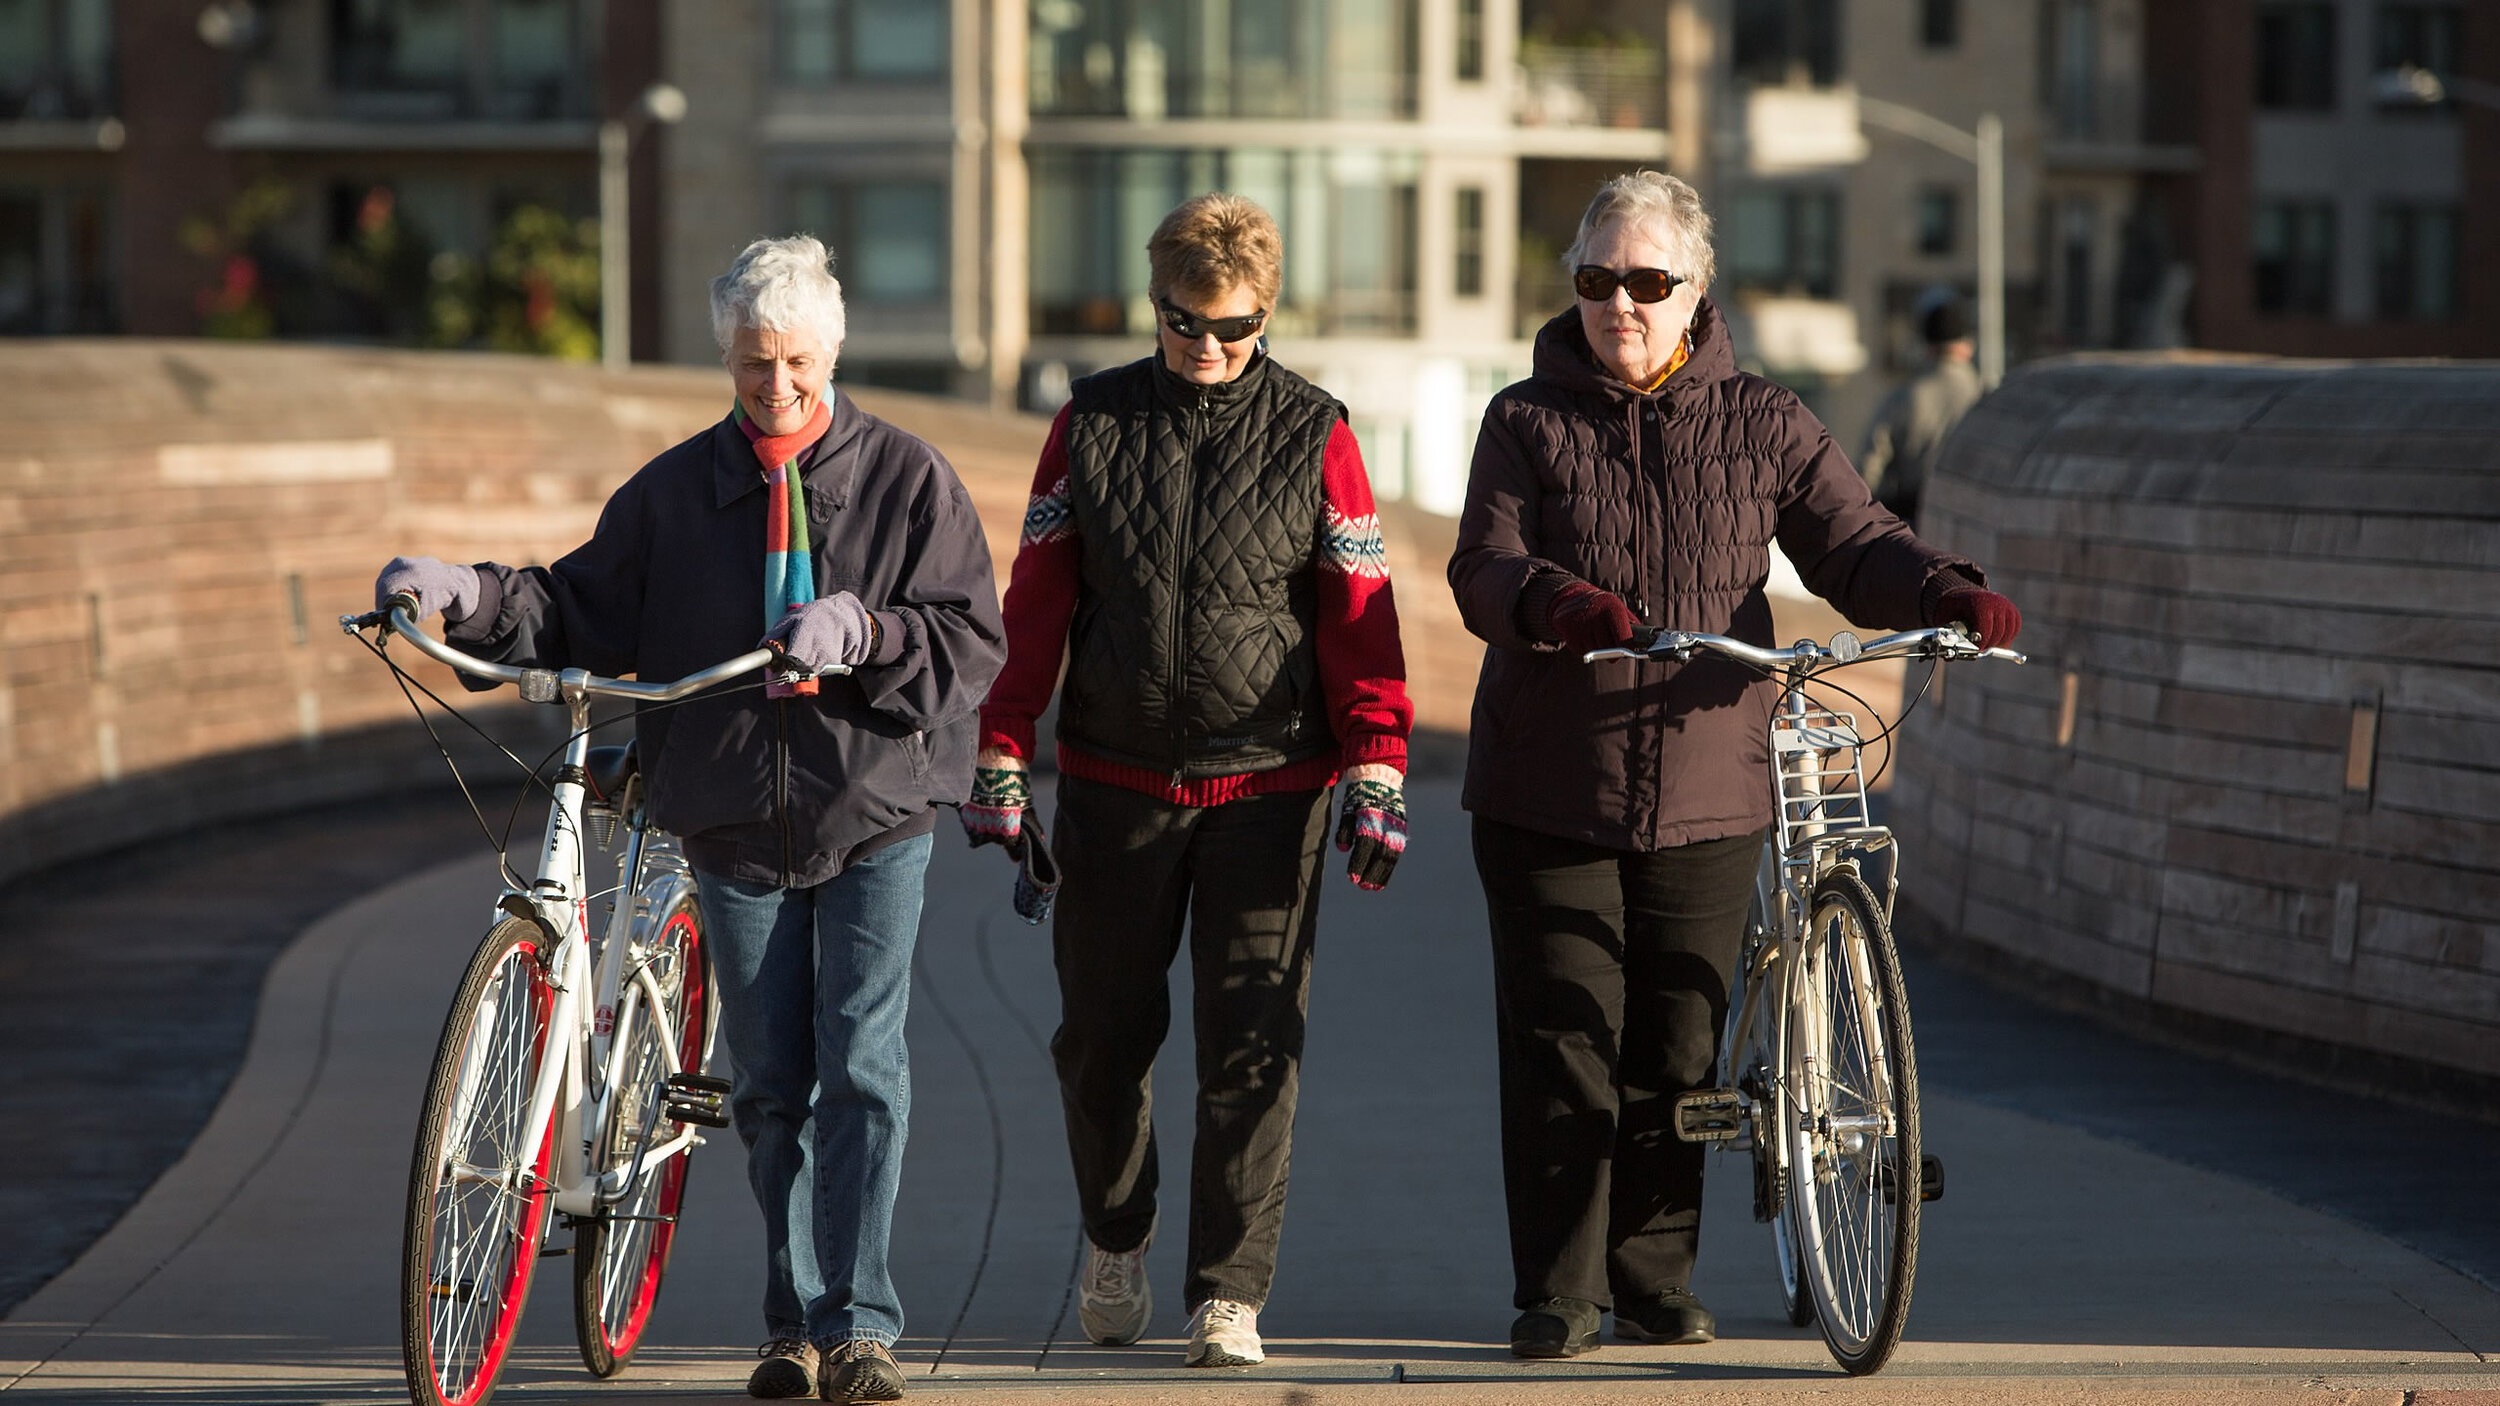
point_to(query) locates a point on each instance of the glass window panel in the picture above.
(898, 38)
(898, 243)
(403, 44)
(2296, 55)
(813, 211)
(25, 38)
(1757, 245)
(1936, 221)
(808, 48)
(2435, 265)
(1940, 23)
(533, 40)
(21, 262)
(88, 49)
(1470, 41)
(1467, 276)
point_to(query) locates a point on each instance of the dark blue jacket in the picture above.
(776, 790)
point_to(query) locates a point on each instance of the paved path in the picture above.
(2108, 1231)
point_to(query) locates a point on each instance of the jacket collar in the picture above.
(1218, 401)
(1563, 358)
(829, 468)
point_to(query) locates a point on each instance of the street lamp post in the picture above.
(661, 103)
(1984, 149)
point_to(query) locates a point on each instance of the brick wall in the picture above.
(2252, 774)
(181, 524)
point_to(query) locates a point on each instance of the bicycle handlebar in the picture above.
(399, 616)
(1945, 642)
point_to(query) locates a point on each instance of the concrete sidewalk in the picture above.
(2066, 1259)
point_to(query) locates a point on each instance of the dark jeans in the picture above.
(814, 986)
(1610, 976)
(1243, 876)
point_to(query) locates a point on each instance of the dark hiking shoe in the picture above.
(859, 1370)
(1555, 1328)
(787, 1371)
(1674, 1318)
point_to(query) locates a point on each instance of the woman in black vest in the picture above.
(1202, 547)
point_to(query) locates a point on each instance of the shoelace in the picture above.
(783, 1347)
(1112, 1271)
(1224, 1313)
(857, 1349)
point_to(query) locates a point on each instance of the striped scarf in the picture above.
(789, 570)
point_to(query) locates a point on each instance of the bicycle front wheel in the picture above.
(1852, 1126)
(663, 1025)
(476, 1208)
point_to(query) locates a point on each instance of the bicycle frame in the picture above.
(577, 1081)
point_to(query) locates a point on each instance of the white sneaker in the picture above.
(1224, 1334)
(1113, 1300)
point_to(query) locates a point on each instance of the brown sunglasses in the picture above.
(1598, 283)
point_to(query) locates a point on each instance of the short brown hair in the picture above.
(1211, 242)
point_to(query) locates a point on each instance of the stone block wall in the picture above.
(2252, 774)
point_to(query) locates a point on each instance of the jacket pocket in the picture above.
(916, 752)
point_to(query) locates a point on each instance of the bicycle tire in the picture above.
(1853, 1186)
(1747, 1040)
(620, 1256)
(471, 1242)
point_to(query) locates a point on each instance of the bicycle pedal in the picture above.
(1709, 1115)
(1930, 1178)
(698, 1098)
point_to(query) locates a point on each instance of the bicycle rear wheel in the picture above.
(1853, 1134)
(475, 1212)
(620, 1254)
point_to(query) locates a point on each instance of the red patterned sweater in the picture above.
(1362, 669)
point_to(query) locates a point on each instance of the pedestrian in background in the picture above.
(807, 816)
(1202, 548)
(1638, 478)
(1911, 424)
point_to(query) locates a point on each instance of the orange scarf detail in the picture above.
(1675, 362)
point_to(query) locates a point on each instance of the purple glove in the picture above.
(441, 587)
(833, 633)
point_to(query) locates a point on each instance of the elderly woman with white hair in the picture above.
(807, 815)
(1637, 478)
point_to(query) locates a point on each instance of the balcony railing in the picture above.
(1590, 87)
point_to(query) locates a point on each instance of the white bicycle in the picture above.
(570, 1072)
(1820, 1073)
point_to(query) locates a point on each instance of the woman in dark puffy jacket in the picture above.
(1637, 478)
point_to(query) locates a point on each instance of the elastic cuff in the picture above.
(1944, 582)
(893, 637)
(1364, 748)
(1536, 605)
(479, 623)
(1014, 736)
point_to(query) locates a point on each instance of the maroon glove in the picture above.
(1990, 616)
(1588, 618)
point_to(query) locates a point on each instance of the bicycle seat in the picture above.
(610, 768)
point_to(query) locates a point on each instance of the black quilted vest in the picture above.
(1199, 513)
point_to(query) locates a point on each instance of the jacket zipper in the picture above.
(1640, 487)
(781, 781)
(1192, 427)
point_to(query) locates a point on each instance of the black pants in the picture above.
(1610, 977)
(1243, 877)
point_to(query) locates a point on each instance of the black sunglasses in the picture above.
(1597, 283)
(1224, 329)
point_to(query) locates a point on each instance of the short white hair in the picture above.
(1667, 208)
(779, 285)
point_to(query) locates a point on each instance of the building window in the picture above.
(2295, 257)
(56, 59)
(2417, 262)
(835, 41)
(1787, 41)
(1470, 41)
(2421, 37)
(1467, 276)
(1785, 240)
(2296, 56)
(2070, 67)
(500, 60)
(1938, 217)
(1224, 58)
(53, 241)
(889, 239)
(1348, 216)
(2078, 222)
(1940, 23)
